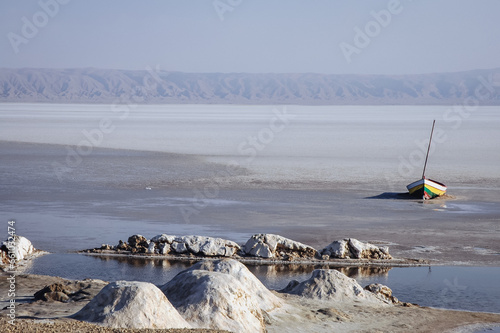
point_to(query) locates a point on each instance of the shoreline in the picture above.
(395, 262)
(52, 315)
(410, 316)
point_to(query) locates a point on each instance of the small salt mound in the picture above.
(131, 304)
(275, 246)
(165, 244)
(354, 249)
(220, 295)
(266, 299)
(330, 284)
(17, 248)
(384, 293)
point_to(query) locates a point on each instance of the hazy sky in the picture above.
(321, 36)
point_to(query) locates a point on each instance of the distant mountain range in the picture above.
(89, 85)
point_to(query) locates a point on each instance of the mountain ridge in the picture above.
(152, 86)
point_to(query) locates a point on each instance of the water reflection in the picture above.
(273, 276)
(275, 270)
(269, 270)
(277, 276)
(365, 272)
(148, 262)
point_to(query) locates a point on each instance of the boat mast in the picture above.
(428, 149)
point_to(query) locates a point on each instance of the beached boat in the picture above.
(426, 188)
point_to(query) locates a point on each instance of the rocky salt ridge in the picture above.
(167, 244)
(259, 248)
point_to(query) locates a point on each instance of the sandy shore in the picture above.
(50, 316)
(69, 325)
(299, 315)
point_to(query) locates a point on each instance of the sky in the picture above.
(253, 36)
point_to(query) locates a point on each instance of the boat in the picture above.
(426, 188)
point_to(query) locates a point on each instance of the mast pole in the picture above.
(428, 149)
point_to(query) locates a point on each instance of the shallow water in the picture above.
(90, 217)
(323, 176)
(342, 143)
(489, 330)
(450, 287)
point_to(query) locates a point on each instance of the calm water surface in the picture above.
(362, 150)
(450, 287)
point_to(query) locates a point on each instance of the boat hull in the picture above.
(426, 188)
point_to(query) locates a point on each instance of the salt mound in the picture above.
(207, 246)
(165, 244)
(275, 246)
(220, 295)
(330, 284)
(131, 304)
(266, 299)
(17, 246)
(354, 249)
(384, 293)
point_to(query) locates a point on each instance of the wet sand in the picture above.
(304, 315)
(51, 316)
(116, 193)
